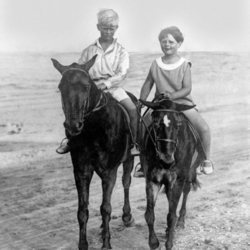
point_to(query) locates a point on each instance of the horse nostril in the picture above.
(79, 125)
(65, 124)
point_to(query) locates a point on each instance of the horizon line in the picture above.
(132, 52)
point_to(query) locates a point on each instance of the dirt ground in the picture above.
(38, 198)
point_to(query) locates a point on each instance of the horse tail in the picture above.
(195, 183)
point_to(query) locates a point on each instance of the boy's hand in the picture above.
(102, 86)
(139, 105)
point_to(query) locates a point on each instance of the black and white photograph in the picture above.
(124, 124)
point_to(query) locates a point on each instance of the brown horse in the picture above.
(100, 136)
(169, 147)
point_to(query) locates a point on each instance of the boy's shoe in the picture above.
(64, 147)
(206, 167)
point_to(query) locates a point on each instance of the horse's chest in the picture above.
(163, 176)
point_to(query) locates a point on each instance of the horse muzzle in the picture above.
(74, 128)
(166, 158)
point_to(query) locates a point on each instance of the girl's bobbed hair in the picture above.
(174, 31)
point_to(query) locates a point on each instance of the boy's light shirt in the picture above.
(110, 67)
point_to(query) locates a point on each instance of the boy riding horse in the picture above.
(109, 70)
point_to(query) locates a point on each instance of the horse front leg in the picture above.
(108, 182)
(83, 180)
(126, 181)
(181, 219)
(173, 195)
(152, 190)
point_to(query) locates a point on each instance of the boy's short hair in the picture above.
(108, 16)
(174, 31)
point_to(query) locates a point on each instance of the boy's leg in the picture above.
(121, 96)
(131, 108)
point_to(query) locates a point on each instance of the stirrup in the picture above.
(138, 173)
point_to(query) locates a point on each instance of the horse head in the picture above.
(75, 87)
(166, 123)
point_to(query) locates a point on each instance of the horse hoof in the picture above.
(158, 248)
(129, 223)
(106, 248)
(166, 232)
(180, 225)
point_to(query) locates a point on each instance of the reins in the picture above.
(155, 139)
(98, 105)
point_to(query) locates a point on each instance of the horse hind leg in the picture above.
(127, 217)
(108, 182)
(182, 214)
(192, 182)
(173, 196)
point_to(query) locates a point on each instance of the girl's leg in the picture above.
(202, 128)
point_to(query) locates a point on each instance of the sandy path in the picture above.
(39, 201)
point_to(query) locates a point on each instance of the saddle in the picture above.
(125, 113)
(129, 135)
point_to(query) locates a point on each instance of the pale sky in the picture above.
(70, 25)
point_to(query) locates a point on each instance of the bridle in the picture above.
(166, 139)
(155, 138)
(85, 109)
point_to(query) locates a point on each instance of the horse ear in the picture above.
(183, 107)
(61, 68)
(152, 105)
(90, 63)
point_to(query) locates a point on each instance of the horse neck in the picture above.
(185, 131)
(95, 96)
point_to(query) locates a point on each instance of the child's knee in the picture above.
(206, 129)
(133, 107)
(129, 105)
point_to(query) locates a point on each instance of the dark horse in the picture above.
(169, 159)
(100, 136)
